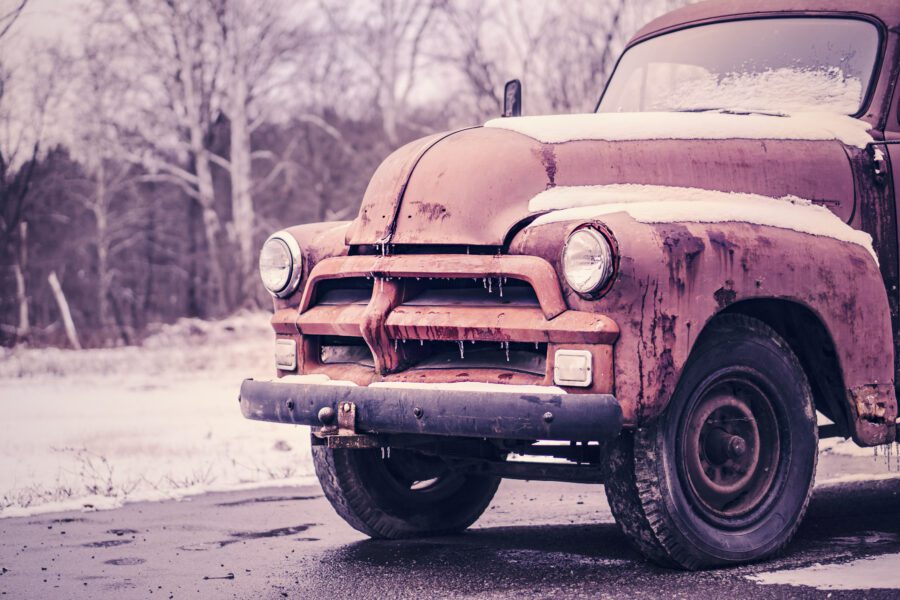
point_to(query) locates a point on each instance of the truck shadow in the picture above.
(844, 520)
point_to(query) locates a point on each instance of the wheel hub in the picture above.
(722, 446)
(731, 447)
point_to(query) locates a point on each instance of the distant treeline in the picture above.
(143, 163)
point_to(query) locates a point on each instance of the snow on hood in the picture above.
(663, 204)
(472, 386)
(555, 129)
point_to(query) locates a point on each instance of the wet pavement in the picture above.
(536, 540)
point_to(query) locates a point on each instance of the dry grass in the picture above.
(186, 345)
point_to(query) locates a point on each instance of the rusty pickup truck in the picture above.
(665, 295)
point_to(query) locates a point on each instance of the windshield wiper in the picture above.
(728, 111)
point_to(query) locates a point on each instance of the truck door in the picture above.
(887, 162)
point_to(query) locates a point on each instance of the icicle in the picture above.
(500, 285)
(505, 346)
(490, 285)
(395, 344)
(421, 342)
(484, 282)
(462, 349)
(537, 345)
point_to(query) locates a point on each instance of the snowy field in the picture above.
(96, 428)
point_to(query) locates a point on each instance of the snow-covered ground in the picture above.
(97, 428)
(100, 427)
(879, 572)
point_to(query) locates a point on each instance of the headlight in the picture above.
(280, 264)
(587, 261)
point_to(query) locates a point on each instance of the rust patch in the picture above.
(724, 247)
(869, 402)
(725, 295)
(665, 372)
(876, 413)
(548, 160)
(432, 211)
(682, 249)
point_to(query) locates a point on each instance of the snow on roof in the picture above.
(555, 129)
(663, 204)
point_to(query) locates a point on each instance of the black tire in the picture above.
(405, 495)
(724, 476)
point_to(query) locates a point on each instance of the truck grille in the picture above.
(479, 317)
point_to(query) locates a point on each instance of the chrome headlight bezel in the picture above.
(606, 267)
(292, 281)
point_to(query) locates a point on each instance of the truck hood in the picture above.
(474, 186)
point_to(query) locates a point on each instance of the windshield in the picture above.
(778, 65)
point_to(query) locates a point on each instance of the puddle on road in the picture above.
(121, 532)
(124, 562)
(59, 521)
(106, 543)
(560, 559)
(867, 538)
(878, 572)
(256, 535)
(243, 536)
(69, 520)
(269, 499)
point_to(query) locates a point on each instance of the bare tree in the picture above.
(388, 38)
(262, 50)
(166, 55)
(10, 16)
(487, 43)
(27, 98)
(114, 230)
(564, 53)
(468, 52)
(574, 73)
(204, 63)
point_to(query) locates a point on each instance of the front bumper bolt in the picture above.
(548, 417)
(418, 412)
(326, 415)
(737, 447)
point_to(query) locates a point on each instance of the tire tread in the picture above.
(644, 516)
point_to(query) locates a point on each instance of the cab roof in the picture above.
(887, 11)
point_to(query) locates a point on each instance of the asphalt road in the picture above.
(536, 540)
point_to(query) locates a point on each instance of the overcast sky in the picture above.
(41, 19)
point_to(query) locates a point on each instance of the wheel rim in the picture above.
(730, 447)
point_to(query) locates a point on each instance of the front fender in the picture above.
(317, 241)
(674, 277)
